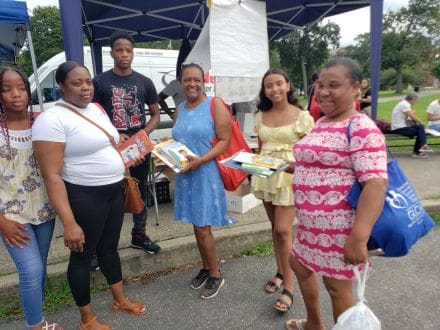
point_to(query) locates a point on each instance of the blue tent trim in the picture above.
(180, 19)
(14, 21)
(14, 12)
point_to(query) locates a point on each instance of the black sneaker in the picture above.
(94, 266)
(144, 243)
(212, 287)
(200, 279)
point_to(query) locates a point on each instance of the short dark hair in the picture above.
(353, 68)
(265, 104)
(411, 97)
(315, 76)
(191, 65)
(120, 35)
(64, 69)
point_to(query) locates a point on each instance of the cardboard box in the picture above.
(241, 200)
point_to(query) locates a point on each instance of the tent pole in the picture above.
(376, 14)
(35, 68)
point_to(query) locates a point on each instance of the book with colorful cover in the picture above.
(262, 166)
(173, 153)
(136, 146)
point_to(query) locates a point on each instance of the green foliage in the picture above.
(413, 76)
(437, 68)
(261, 250)
(410, 39)
(46, 36)
(361, 52)
(436, 217)
(57, 297)
(312, 44)
(274, 58)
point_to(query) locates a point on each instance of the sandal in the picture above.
(130, 306)
(296, 324)
(271, 286)
(51, 326)
(87, 325)
(285, 307)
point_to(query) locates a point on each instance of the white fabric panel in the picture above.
(200, 53)
(238, 38)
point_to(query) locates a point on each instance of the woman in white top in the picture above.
(83, 174)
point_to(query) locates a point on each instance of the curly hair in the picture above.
(3, 114)
(265, 104)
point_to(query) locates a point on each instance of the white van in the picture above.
(157, 64)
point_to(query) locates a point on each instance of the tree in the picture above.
(46, 36)
(361, 52)
(304, 51)
(410, 37)
(437, 67)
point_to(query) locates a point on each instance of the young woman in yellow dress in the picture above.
(279, 124)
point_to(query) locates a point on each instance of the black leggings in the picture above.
(99, 211)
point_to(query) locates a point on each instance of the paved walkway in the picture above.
(402, 292)
(423, 92)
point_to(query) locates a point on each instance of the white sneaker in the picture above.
(426, 149)
(420, 155)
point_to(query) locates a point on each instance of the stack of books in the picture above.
(261, 166)
(173, 154)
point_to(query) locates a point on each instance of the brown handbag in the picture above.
(133, 202)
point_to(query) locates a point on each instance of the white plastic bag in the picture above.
(359, 316)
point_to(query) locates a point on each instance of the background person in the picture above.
(83, 174)
(26, 217)
(174, 90)
(399, 125)
(331, 237)
(313, 105)
(123, 93)
(365, 99)
(279, 124)
(433, 114)
(199, 192)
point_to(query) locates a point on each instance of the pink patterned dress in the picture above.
(326, 168)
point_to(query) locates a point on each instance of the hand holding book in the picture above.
(134, 149)
(262, 166)
(176, 155)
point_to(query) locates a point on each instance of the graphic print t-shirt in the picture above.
(124, 99)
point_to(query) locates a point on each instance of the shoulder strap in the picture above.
(212, 107)
(109, 136)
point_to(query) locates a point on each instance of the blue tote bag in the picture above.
(403, 219)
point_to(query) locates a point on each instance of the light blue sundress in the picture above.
(199, 196)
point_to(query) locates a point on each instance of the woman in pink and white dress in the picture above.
(331, 237)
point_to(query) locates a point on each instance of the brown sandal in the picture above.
(271, 286)
(130, 307)
(87, 325)
(296, 324)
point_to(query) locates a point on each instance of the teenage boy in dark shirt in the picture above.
(123, 93)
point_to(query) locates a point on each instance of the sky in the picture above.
(351, 23)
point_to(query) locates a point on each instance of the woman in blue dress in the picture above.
(199, 192)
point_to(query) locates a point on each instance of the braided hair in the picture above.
(3, 115)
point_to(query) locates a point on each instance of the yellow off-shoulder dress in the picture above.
(278, 142)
